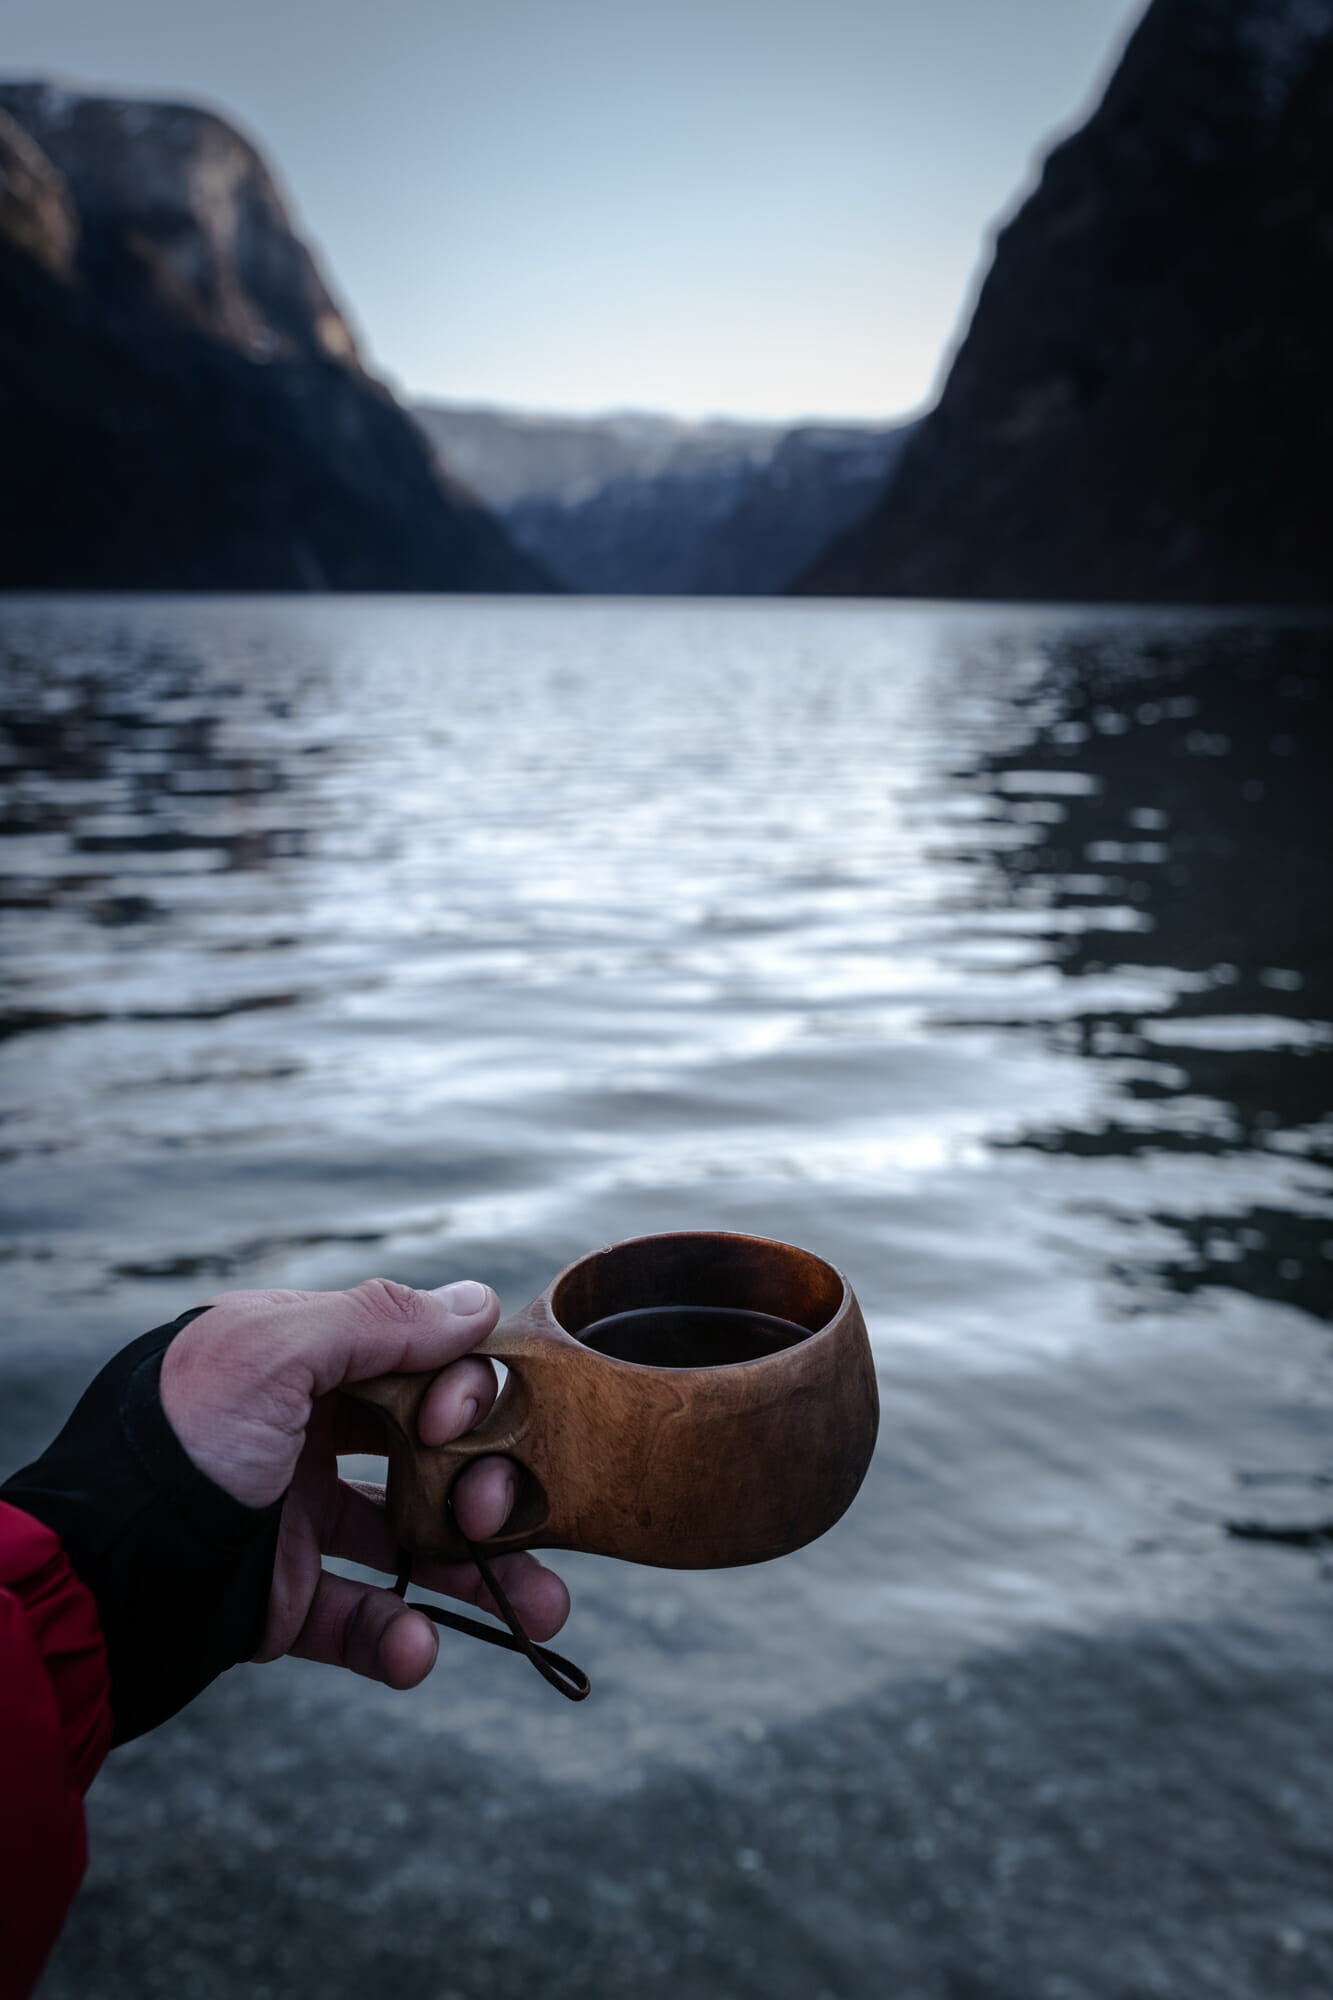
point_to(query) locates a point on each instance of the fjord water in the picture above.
(984, 952)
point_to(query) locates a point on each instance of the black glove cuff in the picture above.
(180, 1571)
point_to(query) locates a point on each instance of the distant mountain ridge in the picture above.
(1142, 407)
(635, 503)
(510, 455)
(182, 403)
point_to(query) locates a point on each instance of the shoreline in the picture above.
(1137, 1813)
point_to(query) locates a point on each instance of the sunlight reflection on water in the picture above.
(627, 906)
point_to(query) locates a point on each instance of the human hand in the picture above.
(250, 1389)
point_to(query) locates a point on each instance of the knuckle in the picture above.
(399, 1304)
(359, 1638)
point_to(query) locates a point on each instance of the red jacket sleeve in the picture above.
(55, 1729)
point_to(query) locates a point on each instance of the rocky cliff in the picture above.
(820, 479)
(182, 404)
(1142, 407)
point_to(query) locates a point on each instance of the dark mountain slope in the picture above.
(1143, 405)
(821, 478)
(181, 403)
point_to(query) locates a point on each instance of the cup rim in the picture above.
(702, 1236)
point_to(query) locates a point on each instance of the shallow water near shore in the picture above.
(985, 953)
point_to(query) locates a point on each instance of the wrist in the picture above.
(180, 1570)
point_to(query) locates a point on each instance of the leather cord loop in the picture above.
(563, 1675)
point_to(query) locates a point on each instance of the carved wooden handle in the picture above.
(421, 1476)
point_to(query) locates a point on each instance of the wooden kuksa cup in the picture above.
(719, 1461)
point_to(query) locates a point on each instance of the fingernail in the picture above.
(466, 1297)
(469, 1413)
(509, 1498)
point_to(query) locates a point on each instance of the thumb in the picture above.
(382, 1328)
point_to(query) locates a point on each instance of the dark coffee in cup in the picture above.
(691, 1336)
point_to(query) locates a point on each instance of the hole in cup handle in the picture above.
(398, 1398)
(421, 1476)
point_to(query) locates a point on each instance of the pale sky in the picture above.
(757, 208)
